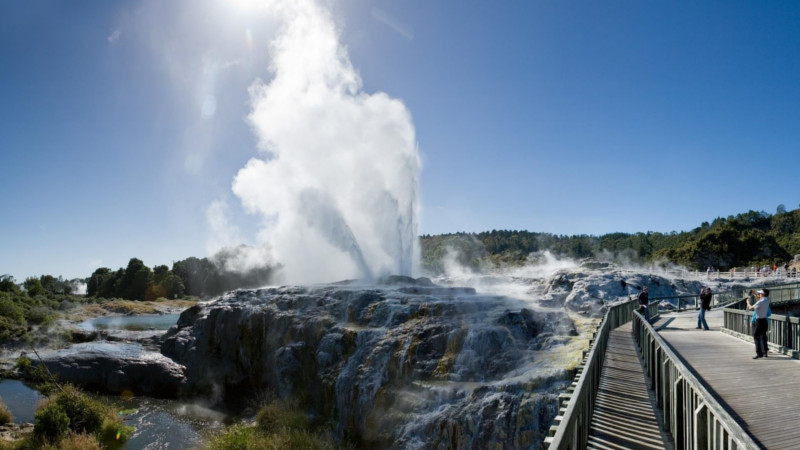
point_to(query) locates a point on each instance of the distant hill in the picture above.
(749, 239)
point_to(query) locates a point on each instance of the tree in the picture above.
(7, 284)
(781, 209)
(101, 283)
(33, 286)
(195, 274)
(173, 286)
(160, 273)
(134, 281)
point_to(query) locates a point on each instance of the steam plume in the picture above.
(336, 185)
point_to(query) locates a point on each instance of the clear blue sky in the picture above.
(121, 122)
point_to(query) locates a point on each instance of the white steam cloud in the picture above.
(223, 233)
(336, 186)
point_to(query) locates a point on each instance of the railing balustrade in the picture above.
(729, 299)
(783, 330)
(571, 428)
(783, 333)
(690, 413)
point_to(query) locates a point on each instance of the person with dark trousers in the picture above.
(705, 305)
(644, 300)
(760, 330)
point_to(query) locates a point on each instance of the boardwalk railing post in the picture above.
(678, 422)
(701, 433)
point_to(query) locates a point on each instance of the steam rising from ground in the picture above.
(518, 282)
(336, 186)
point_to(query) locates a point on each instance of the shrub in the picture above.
(24, 365)
(10, 329)
(66, 305)
(69, 410)
(281, 415)
(45, 381)
(40, 315)
(12, 310)
(5, 414)
(51, 423)
(114, 434)
(85, 415)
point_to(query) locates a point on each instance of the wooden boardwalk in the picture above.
(763, 395)
(624, 417)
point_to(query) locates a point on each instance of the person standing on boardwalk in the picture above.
(760, 330)
(644, 300)
(705, 305)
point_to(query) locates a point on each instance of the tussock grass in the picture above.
(75, 441)
(279, 425)
(5, 414)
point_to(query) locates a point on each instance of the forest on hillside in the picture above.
(751, 238)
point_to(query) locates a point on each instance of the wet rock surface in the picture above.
(115, 368)
(404, 365)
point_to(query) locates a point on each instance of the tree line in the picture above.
(197, 277)
(747, 239)
(751, 238)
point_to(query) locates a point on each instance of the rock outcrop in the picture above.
(402, 365)
(592, 286)
(115, 368)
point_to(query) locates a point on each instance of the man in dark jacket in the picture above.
(644, 300)
(705, 305)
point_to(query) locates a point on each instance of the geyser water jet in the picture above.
(336, 184)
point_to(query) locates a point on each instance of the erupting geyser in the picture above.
(336, 185)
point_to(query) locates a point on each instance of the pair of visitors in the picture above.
(760, 314)
(705, 305)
